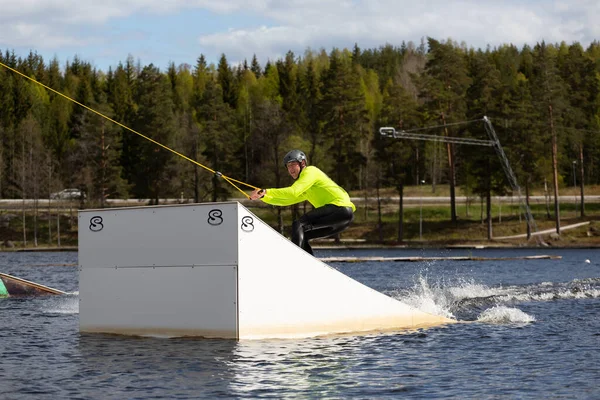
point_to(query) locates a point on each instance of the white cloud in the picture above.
(375, 22)
(20, 34)
(94, 11)
(50, 24)
(300, 24)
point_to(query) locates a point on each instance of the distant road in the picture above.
(495, 199)
(17, 203)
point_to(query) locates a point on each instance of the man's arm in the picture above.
(291, 194)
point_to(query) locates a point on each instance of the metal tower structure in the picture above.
(491, 142)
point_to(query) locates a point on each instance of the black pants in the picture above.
(320, 222)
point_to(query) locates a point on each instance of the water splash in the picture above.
(464, 298)
(504, 315)
(433, 298)
(64, 305)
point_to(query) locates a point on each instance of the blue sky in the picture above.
(106, 32)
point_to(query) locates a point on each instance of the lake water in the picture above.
(532, 330)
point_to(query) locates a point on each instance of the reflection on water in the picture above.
(533, 334)
(298, 365)
(216, 367)
(315, 367)
(363, 366)
(159, 365)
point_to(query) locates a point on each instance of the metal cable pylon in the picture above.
(489, 128)
(493, 142)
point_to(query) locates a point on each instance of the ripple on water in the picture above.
(535, 336)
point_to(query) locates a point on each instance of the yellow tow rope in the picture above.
(217, 173)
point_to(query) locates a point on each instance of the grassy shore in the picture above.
(375, 224)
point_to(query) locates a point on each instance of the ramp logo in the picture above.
(96, 224)
(247, 224)
(215, 217)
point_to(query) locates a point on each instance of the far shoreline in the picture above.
(373, 246)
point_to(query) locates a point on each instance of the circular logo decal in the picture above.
(96, 224)
(215, 217)
(247, 224)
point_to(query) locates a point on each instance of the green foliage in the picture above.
(213, 116)
(484, 98)
(399, 160)
(150, 173)
(343, 114)
(445, 82)
(226, 80)
(240, 120)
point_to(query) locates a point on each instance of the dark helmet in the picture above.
(294, 155)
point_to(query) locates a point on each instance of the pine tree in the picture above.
(150, 173)
(398, 161)
(200, 78)
(213, 115)
(483, 170)
(172, 77)
(548, 92)
(287, 71)
(255, 67)
(245, 121)
(78, 115)
(310, 99)
(443, 89)
(97, 167)
(121, 101)
(344, 118)
(186, 131)
(226, 80)
(356, 53)
(579, 74)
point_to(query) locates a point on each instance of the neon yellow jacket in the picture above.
(312, 185)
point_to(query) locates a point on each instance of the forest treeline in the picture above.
(241, 120)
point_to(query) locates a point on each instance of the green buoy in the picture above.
(3, 291)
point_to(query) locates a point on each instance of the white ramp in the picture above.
(216, 270)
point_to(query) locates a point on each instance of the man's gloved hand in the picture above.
(257, 194)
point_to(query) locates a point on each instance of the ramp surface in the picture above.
(217, 270)
(285, 292)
